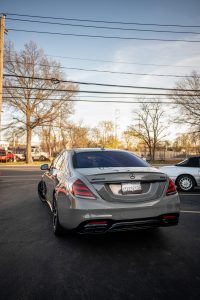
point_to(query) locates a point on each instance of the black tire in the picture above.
(57, 228)
(185, 183)
(42, 190)
(42, 158)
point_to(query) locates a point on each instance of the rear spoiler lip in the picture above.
(124, 172)
(131, 180)
(161, 177)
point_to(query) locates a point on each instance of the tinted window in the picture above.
(183, 163)
(190, 162)
(2, 153)
(193, 162)
(105, 159)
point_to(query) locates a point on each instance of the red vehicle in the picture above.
(6, 156)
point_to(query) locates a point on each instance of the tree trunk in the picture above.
(28, 138)
(150, 151)
(49, 141)
(28, 145)
(153, 154)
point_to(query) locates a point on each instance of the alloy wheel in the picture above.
(186, 183)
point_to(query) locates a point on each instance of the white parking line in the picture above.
(21, 176)
(22, 179)
(197, 194)
(191, 211)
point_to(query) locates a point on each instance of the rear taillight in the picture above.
(81, 190)
(171, 188)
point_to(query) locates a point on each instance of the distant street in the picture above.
(148, 264)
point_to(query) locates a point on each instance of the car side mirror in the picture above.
(44, 167)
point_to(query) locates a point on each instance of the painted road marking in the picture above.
(20, 179)
(197, 194)
(191, 211)
(21, 176)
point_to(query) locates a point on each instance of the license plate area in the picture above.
(131, 188)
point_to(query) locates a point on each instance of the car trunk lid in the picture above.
(126, 184)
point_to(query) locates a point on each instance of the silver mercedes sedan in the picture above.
(103, 190)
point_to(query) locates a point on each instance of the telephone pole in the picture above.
(2, 29)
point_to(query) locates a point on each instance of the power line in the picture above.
(109, 101)
(117, 97)
(104, 27)
(111, 97)
(102, 92)
(102, 21)
(82, 97)
(116, 62)
(120, 62)
(103, 97)
(105, 71)
(102, 84)
(103, 36)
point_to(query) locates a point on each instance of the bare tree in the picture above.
(107, 132)
(30, 97)
(67, 135)
(129, 139)
(55, 135)
(190, 142)
(189, 103)
(95, 137)
(149, 127)
(77, 135)
(15, 136)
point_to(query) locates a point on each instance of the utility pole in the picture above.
(2, 29)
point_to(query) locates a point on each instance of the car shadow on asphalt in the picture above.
(143, 239)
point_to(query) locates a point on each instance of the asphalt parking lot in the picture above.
(147, 264)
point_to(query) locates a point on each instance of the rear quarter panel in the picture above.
(173, 172)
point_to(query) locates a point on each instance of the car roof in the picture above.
(78, 150)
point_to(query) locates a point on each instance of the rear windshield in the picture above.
(106, 159)
(2, 153)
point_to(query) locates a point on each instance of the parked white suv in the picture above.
(39, 155)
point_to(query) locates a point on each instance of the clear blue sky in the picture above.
(149, 52)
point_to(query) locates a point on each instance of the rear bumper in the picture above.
(3, 159)
(89, 227)
(71, 216)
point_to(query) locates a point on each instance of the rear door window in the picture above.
(193, 162)
(106, 159)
